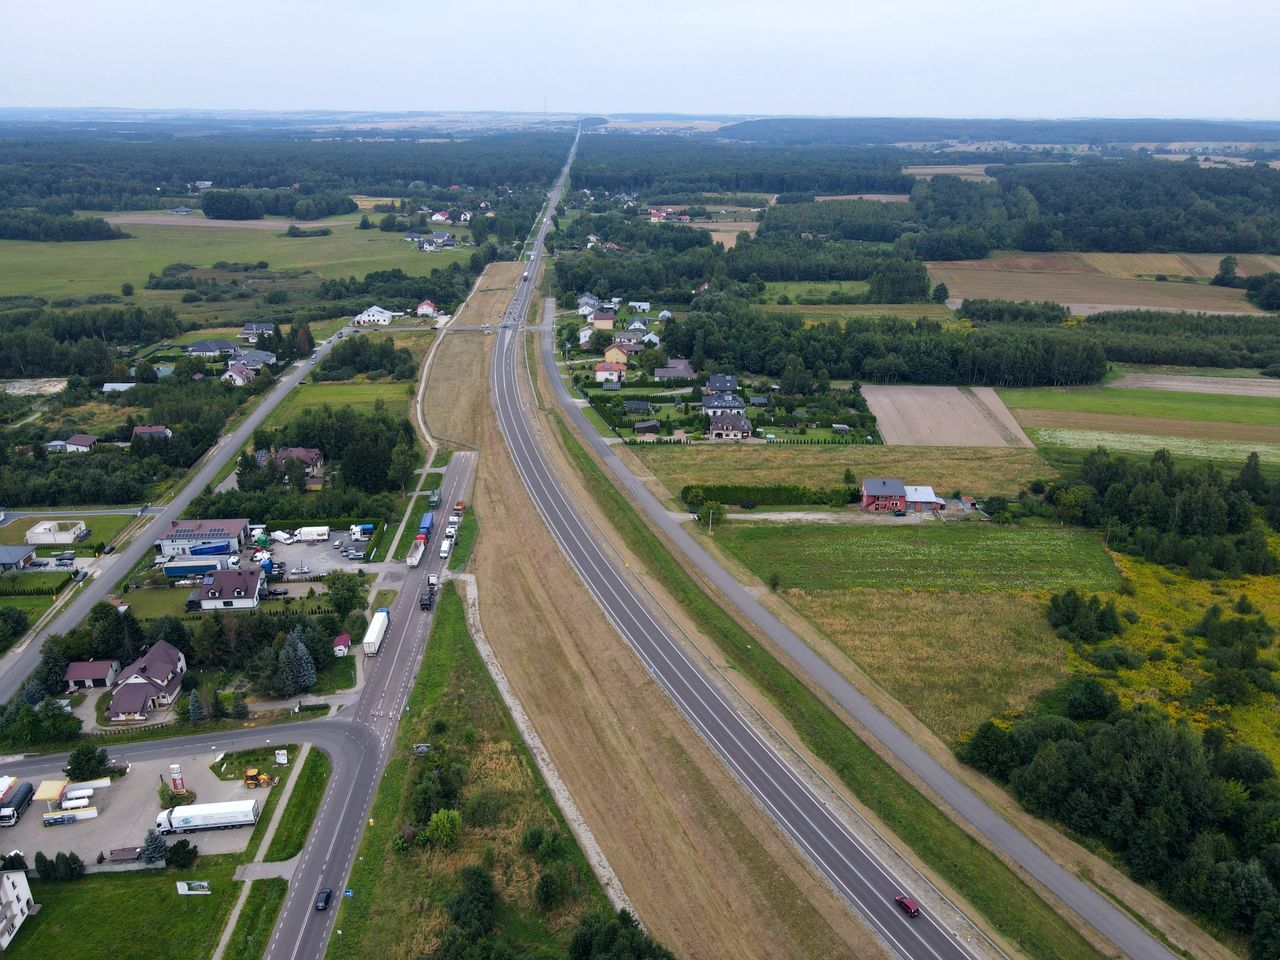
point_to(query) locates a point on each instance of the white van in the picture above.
(445, 547)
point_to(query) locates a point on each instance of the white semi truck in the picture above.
(208, 816)
(377, 630)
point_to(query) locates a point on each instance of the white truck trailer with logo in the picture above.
(377, 630)
(311, 534)
(208, 816)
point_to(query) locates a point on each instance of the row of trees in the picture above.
(254, 204)
(32, 225)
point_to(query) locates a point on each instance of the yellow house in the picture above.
(615, 354)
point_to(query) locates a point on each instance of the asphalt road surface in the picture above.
(832, 848)
(18, 663)
(1108, 919)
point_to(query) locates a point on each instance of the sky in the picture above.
(943, 58)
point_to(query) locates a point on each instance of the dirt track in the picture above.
(1226, 386)
(943, 417)
(708, 872)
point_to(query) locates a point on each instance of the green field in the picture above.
(1165, 404)
(362, 395)
(955, 556)
(338, 673)
(257, 917)
(100, 916)
(465, 540)
(152, 602)
(295, 822)
(80, 268)
(812, 288)
(1230, 453)
(103, 528)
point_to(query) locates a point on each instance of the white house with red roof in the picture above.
(610, 372)
(426, 309)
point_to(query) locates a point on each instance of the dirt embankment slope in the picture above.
(708, 872)
(491, 294)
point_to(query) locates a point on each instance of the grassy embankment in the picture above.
(1007, 902)
(300, 812)
(398, 907)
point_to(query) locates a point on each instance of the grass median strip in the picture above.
(257, 917)
(1010, 906)
(295, 822)
(465, 541)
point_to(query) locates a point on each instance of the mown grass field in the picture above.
(363, 395)
(955, 557)
(812, 288)
(827, 313)
(974, 470)
(977, 874)
(80, 268)
(1122, 401)
(103, 527)
(398, 907)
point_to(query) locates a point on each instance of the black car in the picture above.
(109, 548)
(426, 601)
(323, 898)
(278, 592)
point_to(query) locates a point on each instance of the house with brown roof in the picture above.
(153, 680)
(729, 426)
(342, 645)
(241, 589)
(87, 674)
(610, 371)
(151, 433)
(238, 375)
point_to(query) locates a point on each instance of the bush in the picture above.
(549, 891)
(182, 855)
(694, 495)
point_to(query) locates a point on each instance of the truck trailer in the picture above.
(208, 816)
(361, 531)
(377, 630)
(11, 812)
(311, 534)
(426, 523)
(221, 549)
(190, 567)
(417, 550)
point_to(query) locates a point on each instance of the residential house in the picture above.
(426, 309)
(211, 348)
(634, 407)
(883, 493)
(638, 325)
(117, 387)
(342, 645)
(628, 336)
(841, 429)
(442, 238)
(639, 306)
(155, 432)
(922, 499)
(729, 426)
(153, 680)
(665, 315)
(602, 320)
(440, 216)
(622, 352)
(584, 334)
(586, 310)
(241, 589)
(15, 557)
(756, 400)
(589, 300)
(676, 369)
(718, 404)
(702, 287)
(651, 339)
(413, 237)
(87, 674)
(203, 185)
(181, 210)
(610, 371)
(238, 375)
(721, 383)
(252, 331)
(203, 537)
(15, 904)
(464, 216)
(647, 427)
(311, 458)
(373, 315)
(79, 443)
(254, 359)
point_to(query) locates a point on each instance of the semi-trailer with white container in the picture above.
(311, 534)
(377, 630)
(417, 550)
(208, 816)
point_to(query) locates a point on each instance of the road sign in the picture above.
(348, 892)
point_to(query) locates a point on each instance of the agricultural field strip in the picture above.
(942, 417)
(1222, 386)
(1134, 402)
(1203, 449)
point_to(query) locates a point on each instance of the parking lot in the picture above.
(126, 810)
(319, 558)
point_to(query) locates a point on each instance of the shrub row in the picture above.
(763, 494)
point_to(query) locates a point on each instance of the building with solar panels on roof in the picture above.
(198, 538)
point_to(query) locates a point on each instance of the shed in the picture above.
(342, 645)
(647, 426)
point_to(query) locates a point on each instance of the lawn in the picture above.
(101, 915)
(295, 822)
(978, 875)
(103, 528)
(1124, 401)
(338, 673)
(363, 395)
(151, 602)
(825, 313)
(397, 910)
(811, 289)
(81, 268)
(973, 470)
(256, 920)
(961, 557)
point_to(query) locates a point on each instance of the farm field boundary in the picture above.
(942, 417)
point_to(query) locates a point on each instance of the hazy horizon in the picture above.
(1097, 59)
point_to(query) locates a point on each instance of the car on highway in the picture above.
(323, 898)
(908, 906)
(300, 571)
(450, 532)
(455, 519)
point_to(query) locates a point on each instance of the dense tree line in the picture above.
(738, 336)
(1171, 513)
(840, 220)
(396, 290)
(671, 165)
(32, 225)
(36, 341)
(1013, 312)
(95, 172)
(253, 204)
(1194, 815)
(377, 357)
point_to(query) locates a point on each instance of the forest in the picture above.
(253, 204)
(98, 173)
(396, 290)
(48, 227)
(376, 357)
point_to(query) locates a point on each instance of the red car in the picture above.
(908, 906)
(459, 507)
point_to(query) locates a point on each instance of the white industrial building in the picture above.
(203, 538)
(57, 531)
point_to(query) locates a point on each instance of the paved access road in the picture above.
(19, 662)
(1131, 939)
(833, 849)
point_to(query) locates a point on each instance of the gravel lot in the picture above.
(126, 810)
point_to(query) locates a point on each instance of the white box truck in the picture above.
(377, 630)
(280, 536)
(208, 816)
(311, 534)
